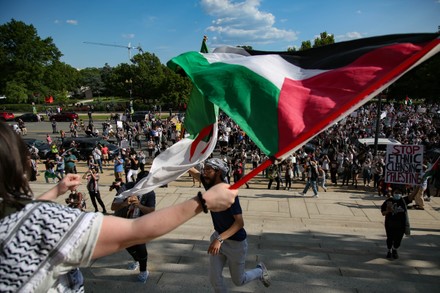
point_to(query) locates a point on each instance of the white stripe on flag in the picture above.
(272, 67)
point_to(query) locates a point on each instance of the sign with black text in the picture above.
(404, 164)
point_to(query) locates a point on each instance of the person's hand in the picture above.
(214, 247)
(69, 182)
(219, 197)
(133, 200)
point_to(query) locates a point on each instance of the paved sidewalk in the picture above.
(335, 243)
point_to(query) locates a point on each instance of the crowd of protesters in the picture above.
(334, 157)
(339, 156)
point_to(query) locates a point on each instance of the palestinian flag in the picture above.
(283, 99)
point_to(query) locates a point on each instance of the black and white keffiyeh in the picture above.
(35, 242)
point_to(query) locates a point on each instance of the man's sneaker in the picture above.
(143, 276)
(301, 193)
(389, 254)
(395, 255)
(265, 279)
(133, 266)
(316, 196)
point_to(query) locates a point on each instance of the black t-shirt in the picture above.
(148, 199)
(398, 217)
(134, 163)
(313, 173)
(222, 221)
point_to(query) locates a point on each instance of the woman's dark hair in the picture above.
(15, 167)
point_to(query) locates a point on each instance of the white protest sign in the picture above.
(404, 164)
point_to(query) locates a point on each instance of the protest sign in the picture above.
(404, 164)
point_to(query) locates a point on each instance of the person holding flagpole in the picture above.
(229, 240)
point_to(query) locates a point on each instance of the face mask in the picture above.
(397, 196)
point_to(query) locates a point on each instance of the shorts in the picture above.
(119, 175)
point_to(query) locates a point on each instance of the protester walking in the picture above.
(312, 177)
(396, 221)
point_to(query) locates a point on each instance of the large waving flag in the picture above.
(283, 99)
(201, 124)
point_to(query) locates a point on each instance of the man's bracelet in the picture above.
(202, 202)
(220, 239)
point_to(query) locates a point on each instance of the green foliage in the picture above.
(24, 56)
(177, 89)
(61, 98)
(92, 78)
(61, 77)
(246, 47)
(16, 92)
(305, 45)
(323, 39)
(421, 82)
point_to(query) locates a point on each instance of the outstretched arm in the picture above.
(118, 233)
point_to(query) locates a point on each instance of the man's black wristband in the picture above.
(202, 202)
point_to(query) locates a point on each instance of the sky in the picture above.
(170, 28)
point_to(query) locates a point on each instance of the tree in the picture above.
(16, 92)
(24, 56)
(148, 76)
(106, 73)
(91, 78)
(176, 89)
(305, 45)
(421, 82)
(60, 78)
(323, 39)
(246, 47)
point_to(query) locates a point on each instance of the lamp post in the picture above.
(378, 118)
(130, 83)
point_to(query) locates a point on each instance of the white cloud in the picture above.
(72, 21)
(348, 36)
(56, 21)
(360, 12)
(128, 36)
(242, 23)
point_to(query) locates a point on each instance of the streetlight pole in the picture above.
(130, 82)
(376, 136)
